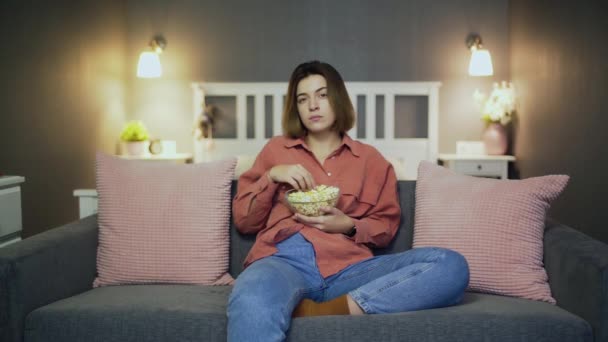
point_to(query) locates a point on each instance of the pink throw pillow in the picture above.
(498, 225)
(162, 222)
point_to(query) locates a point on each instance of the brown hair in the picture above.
(336, 92)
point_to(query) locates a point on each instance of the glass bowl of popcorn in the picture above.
(309, 202)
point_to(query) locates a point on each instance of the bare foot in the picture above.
(353, 307)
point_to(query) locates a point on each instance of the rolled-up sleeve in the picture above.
(253, 201)
(378, 226)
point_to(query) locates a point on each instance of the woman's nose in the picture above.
(313, 104)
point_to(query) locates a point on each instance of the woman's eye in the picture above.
(323, 95)
(300, 101)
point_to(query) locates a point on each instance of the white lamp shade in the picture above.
(149, 65)
(481, 63)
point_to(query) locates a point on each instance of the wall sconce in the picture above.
(149, 62)
(481, 61)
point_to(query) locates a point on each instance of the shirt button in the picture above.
(329, 174)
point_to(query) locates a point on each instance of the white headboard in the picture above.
(407, 151)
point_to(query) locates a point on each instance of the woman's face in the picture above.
(313, 104)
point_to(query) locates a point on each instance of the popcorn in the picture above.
(309, 203)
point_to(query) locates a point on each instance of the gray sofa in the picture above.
(46, 295)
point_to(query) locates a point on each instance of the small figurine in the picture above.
(204, 124)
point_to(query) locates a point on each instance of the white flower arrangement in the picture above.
(499, 106)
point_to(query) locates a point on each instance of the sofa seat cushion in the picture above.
(480, 317)
(198, 313)
(134, 313)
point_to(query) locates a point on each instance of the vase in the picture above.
(495, 139)
(137, 148)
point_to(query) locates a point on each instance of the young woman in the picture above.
(323, 258)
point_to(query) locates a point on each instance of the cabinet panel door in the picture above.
(10, 211)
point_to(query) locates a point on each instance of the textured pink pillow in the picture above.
(497, 225)
(163, 223)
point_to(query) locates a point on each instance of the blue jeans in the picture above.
(266, 293)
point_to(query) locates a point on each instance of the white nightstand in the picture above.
(10, 209)
(88, 198)
(87, 202)
(477, 165)
(175, 157)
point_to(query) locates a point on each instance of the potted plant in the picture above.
(497, 111)
(135, 138)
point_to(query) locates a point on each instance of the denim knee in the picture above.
(258, 303)
(457, 267)
(254, 316)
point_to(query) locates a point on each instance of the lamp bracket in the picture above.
(158, 43)
(473, 40)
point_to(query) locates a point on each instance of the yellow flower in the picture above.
(134, 131)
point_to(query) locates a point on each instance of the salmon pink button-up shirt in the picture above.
(368, 194)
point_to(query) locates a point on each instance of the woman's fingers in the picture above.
(303, 178)
(330, 210)
(299, 182)
(293, 184)
(317, 222)
(306, 177)
(308, 180)
(295, 175)
(309, 219)
(302, 181)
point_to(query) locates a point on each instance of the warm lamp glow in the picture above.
(149, 65)
(149, 61)
(481, 63)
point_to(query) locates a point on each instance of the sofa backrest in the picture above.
(240, 244)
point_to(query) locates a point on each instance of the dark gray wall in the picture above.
(559, 65)
(69, 81)
(62, 93)
(257, 41)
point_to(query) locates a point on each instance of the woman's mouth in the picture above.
(315, 118)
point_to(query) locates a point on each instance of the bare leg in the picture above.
(353, 307)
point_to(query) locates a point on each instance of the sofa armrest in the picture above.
(44, 268)
(577, 266)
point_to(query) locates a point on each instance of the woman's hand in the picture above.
(295, 175)
(334, 221)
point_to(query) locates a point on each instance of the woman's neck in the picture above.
(322, 144)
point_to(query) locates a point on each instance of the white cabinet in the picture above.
(478, 165)
(175, 157)
(87, 202)
(10, 209)
(87, 198)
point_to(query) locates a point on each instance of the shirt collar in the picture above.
(346, 140)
